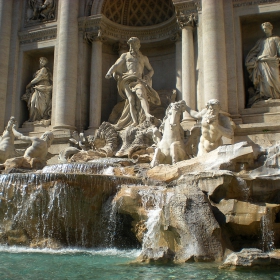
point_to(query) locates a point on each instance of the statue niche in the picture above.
(38, 94)
(262, 63)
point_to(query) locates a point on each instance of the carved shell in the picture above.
(106, 139)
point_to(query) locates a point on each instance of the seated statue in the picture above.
(214, 125)
(133, 85)
(38, 93)
(262, 63)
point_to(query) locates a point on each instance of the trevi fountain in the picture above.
(140, 139)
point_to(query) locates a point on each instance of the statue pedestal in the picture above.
(266, 103)
(37, 126)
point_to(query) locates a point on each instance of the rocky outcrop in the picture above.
(251, 258)
(210, 204)
(180, 225)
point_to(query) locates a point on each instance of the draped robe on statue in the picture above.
(262, 63)
(133, 82)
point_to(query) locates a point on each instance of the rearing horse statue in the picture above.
(7, 148)
(171, 148)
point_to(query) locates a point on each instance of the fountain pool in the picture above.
(25, 263)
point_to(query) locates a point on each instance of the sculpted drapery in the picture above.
(262, 63)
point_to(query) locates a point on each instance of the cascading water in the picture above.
(267, 232)
(66, 208)
(152, 201)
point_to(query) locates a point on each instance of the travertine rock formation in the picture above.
(251, 258)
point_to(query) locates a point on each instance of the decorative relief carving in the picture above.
(183, 19)
(244, 3)
(190, 6)
(122, 33)
(38, 11)
(27, 37)
(176, 37)
(95, 36)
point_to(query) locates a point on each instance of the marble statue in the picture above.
(262, 63)
(133, 85)
(39, 146)
(38, 93)
(78, 143)
(7, 148)
(170, 147)
(214, 125)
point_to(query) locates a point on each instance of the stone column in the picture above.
(214, 52)
(67, 65)
(178, 42)
(95, 81)
(187, 24)
(5, 36)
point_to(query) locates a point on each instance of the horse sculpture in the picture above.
(170, 148)
(7, 148)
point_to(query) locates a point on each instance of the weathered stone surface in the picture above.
(16, 237)
(251, 258)
(45, 243)
(223, 158)
(24, 163)
(159, 255)
(178, 219)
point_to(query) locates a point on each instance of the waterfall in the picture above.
(65, 208)
(111, 209)
(81, 168)
(267, 232)
(152, 201)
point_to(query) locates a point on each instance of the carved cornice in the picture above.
(31, 36)
(116, 32)
(188, 6)
(245, 3)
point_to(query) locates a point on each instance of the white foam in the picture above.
(65, 251)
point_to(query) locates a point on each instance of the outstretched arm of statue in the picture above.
(194, 114)
(21, 136)
(115, 66)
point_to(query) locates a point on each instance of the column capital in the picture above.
(91, 37)
(186, 19)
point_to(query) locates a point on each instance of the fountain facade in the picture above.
(178, 154)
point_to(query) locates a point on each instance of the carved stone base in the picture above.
(266, 103)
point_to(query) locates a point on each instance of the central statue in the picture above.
(134, 85)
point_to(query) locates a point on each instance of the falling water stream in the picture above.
(73, 205)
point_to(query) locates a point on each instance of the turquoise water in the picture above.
(20, 263)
